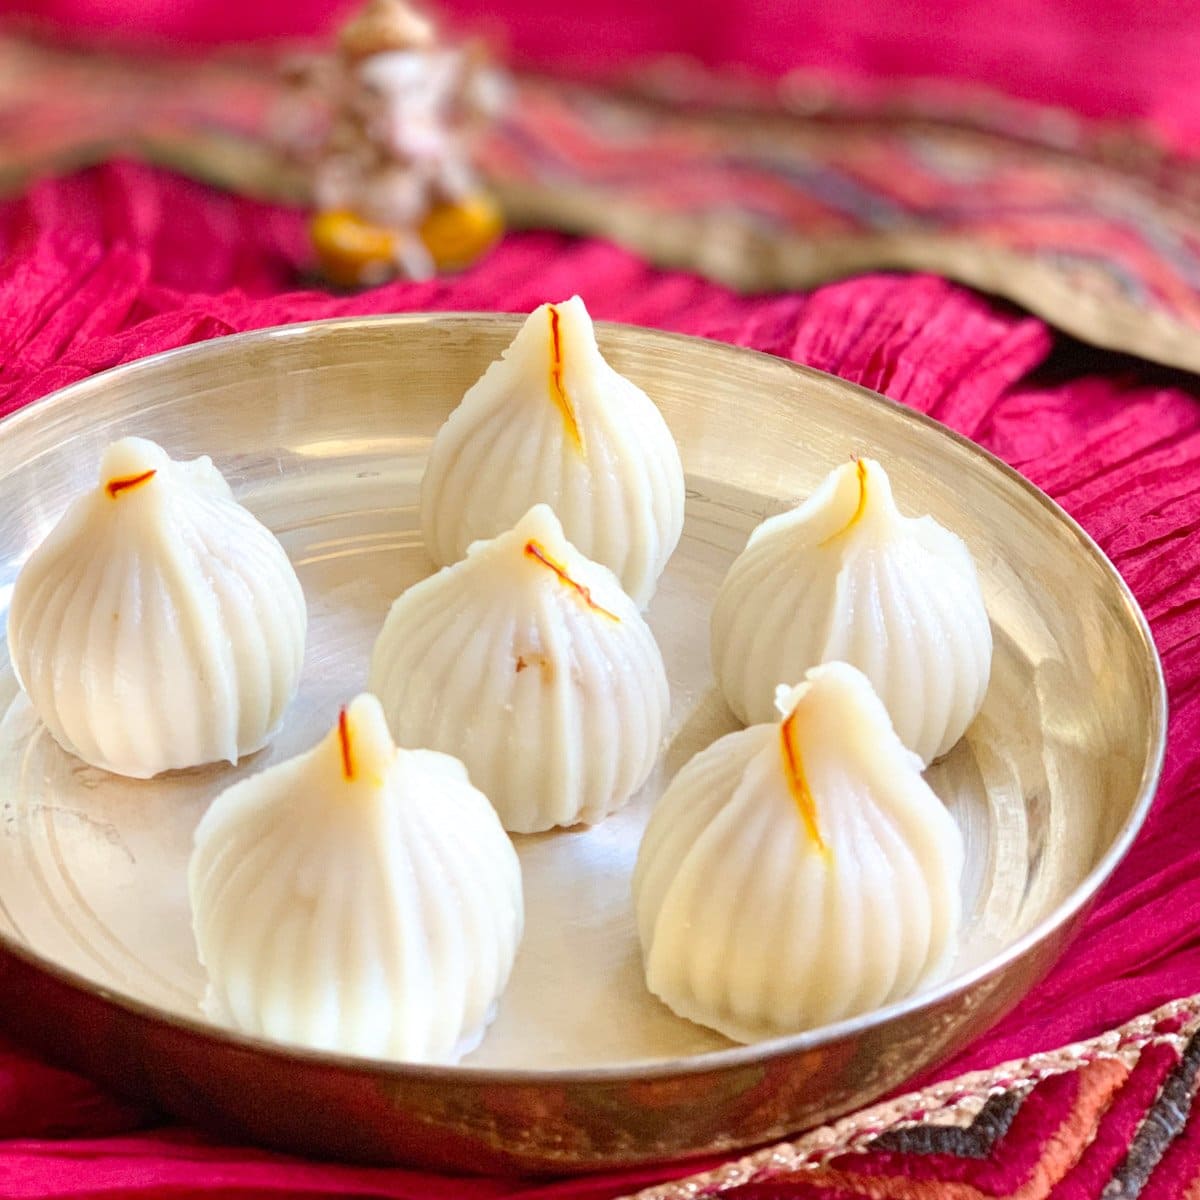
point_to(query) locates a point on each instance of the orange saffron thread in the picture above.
(793, 768)
(535, 550)
(862, 503)
(558, 391)
(344, 738)
(115, 487)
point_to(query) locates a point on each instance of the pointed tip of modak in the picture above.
(869, 476)
(571, 309)
(825, 684)
(575, 331)
(541, 524)
(861, 490)
(563, 327)
(129, 463)
(838, 705)
(362, 741)
(853, 497)
(537, 541)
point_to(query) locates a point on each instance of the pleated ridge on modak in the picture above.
(847, 577)
(527, 661)
(159, 625)
(799, 871)
(550, 422)
(357, 898)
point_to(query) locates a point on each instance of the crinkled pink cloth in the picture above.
(1114, 59)
(126, 261)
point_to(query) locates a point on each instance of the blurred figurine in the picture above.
(390, 164)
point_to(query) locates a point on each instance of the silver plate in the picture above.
(322, 429)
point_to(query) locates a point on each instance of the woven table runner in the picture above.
(1110, 1117)
(761, 187)
(105, 265)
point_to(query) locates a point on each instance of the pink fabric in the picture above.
(993, 1175)
(1114, 60)
(1118, 1127)
(1121, 59)
(125, 261)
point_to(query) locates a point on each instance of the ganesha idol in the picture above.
(390, 159)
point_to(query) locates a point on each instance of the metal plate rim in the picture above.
(710, 1061)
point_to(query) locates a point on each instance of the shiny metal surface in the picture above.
(322, 430)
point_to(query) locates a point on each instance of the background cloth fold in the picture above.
(107, 265)
(757, 183)
(123, 259)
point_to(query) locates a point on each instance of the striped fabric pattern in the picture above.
(1110, 1119)
(761, 187)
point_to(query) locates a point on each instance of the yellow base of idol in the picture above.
(353, 252)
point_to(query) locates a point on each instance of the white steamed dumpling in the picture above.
(159, 625)
(798, 872)
(847, 577)
(551, 422)
(358, 899)
(527, 661)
